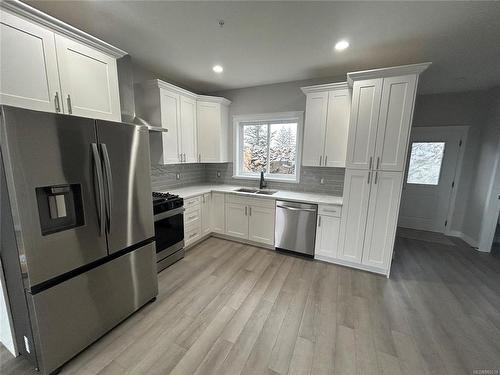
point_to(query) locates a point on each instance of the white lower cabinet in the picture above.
(237, 220)
(206, 214)
(261, 224)
(218, 213)
(250, 219)
(327, 234)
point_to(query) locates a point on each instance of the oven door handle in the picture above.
(166, 214)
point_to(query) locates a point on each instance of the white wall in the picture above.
(457, 109)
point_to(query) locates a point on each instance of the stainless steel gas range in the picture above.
(168, 212)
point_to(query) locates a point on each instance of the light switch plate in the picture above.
(177, 176)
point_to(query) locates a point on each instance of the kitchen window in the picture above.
(268, 143)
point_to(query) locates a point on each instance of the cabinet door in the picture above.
(89, 81)
(208, 119)
(354, 211)
(382, 219)
(261, 224)
(237, 220)
(363, 123)
(314, 129)
(396, 108)
(206, 220)
(28, 65)
(169, 107)
(327, 236)
(218, 213)
(188, 129)
(337, 128)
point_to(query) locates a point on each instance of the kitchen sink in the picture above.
(247, 190)
(267, 192)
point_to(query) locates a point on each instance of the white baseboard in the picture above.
(469, 240)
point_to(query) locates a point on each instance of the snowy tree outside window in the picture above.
(425, 163)
(270, 147)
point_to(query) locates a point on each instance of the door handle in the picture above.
(369, 173)
(249, 211)
(246, 210)
(370, 164)
(100, 189)
(109, 184)
(70, 109)
(320, 159)
(56, 102)
(378, 161)
(376, 178)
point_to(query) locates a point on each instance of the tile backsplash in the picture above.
(164, 177)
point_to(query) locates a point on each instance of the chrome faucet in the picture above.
(263, 183)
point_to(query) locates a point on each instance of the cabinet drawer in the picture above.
(191, 202)
(192, 214)
(332, 210)
(192, 233)
(250, 201)
(238, 199)
(263, 202)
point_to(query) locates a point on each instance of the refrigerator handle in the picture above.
(100, 191)
(109, 185)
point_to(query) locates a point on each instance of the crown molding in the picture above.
(214, 99)
(325, 87)
(387, 72)
(32, 14)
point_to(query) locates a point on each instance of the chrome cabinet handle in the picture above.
(184, 157)
(319, 221)
(369, 173)
(376, 178)
(246, 210)
(296, 209)
(326, 160)
(320, 159)
(56, 102)
(250, 211)
(109, 185)
(199, 158)
(371, 160)
(68, 100)
(100, 190)
(378, 161)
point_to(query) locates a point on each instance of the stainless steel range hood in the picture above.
(127, 98)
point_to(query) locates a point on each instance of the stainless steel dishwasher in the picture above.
(295, 228)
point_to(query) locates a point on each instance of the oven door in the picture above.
(169, 232)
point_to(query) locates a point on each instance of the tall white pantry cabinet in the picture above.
(379, 130)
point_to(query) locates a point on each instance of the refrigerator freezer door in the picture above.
(127, 181)
(71, 315)
(43, 154)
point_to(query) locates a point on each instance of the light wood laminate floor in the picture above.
(229, 308)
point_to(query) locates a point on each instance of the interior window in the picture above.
(425, 163)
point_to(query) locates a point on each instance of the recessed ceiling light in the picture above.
(218, 69)
(341, 45)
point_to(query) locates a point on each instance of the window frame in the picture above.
(238, 123)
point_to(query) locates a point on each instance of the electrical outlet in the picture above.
(218, 174)
(322, 181)
(177, 176)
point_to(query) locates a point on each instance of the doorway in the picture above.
(434, 159)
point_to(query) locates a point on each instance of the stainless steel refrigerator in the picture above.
(77, 234)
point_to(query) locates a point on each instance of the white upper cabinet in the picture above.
(381, 115)
(189, 149)
(314, 129)
(169, 111)
(212, 119)
(398, 96)
(89, 80)
(363, 123)
(47, 65)
(28, 65)
(326, 125)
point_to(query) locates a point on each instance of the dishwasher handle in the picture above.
(296, 209)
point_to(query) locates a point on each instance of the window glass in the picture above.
(425, 163)
(255, 152)
(283, 148)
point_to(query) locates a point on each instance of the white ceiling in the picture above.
(270, 42)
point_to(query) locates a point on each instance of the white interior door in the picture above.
(28, 65)
(432, 163)
(89, 81)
